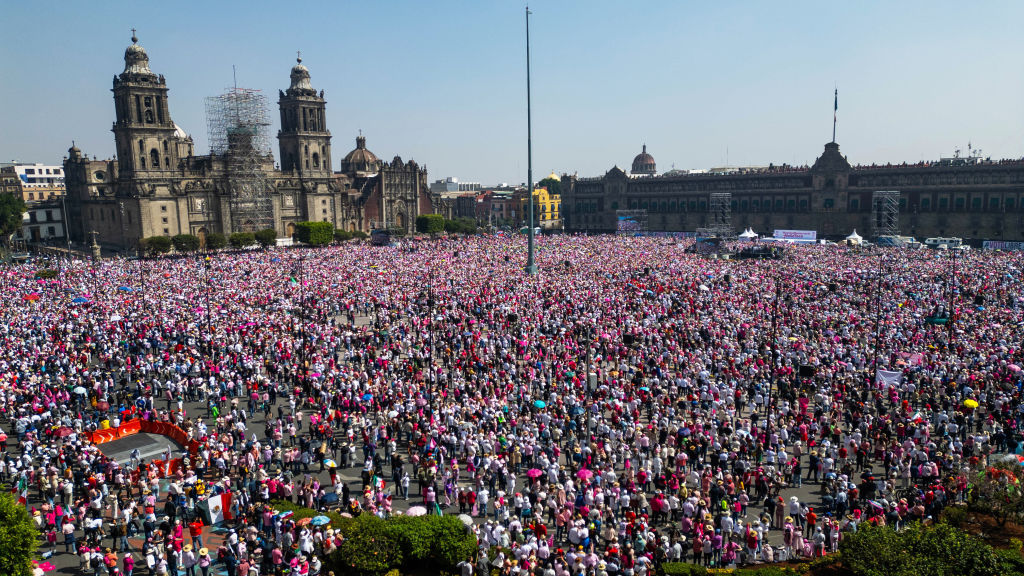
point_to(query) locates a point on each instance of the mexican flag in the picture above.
(216, 509)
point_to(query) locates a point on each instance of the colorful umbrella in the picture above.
(330, 463)
(125, 289)
(971, 403)
(585, 474)
(416, 511)
(79, 300)
(539, 403)
(534, 473)
(367, 397)
(320, 521)
(304, 521)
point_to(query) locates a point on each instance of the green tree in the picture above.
(314, 233)
(215, 241)
(267, 238)
(342, 235)
(360, 235)
(156, 244)
(429, 223)
(242, 239)
(17, 537)
(918, 550)
(12, 207)
(999, 491)
(551, 185)
(185, 243)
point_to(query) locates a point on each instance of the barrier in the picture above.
(137, 425)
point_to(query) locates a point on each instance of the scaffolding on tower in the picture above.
(885, 213)
(239, 130)
(719, 224)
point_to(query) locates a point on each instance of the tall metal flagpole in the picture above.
(835, 112)
(531, 267)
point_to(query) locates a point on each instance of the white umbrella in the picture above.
(79, 390)
(466, 519)
(703, 288)
(416, 511)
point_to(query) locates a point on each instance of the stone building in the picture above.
(157, 185)
(967, 197)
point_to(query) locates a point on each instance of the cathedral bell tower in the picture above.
(304, 139)
(144, 133)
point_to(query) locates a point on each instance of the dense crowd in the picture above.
(632, 404)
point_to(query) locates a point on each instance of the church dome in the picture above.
(360, 159)
(300, 77)
(644, 163)
(136, 61)
(553, 176)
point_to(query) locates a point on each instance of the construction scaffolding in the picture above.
(885, 213)
(239, 131)
(719, 224)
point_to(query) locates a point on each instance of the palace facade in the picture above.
(971, 198)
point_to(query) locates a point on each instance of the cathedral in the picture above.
(157, 186)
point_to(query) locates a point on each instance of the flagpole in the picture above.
(835, 111)
(531, 267)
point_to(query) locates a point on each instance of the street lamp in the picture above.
(211, 350)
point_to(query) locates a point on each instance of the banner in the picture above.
(1000, 245)
(798, 235)
(888, 378)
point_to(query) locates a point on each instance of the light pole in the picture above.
(531, 266)
(878, 315)
(775, 359)
(211, 350)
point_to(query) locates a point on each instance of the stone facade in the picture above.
(158, 186)
(970, 198)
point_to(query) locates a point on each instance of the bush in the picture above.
(461, 225)
(17, 537)
(267, 238)
(46, 274)
(374, 546)
(360, 235)
(156, 244)
(955, 516)
(185, 243)
(342, 235)
(682, 569)
(429, 223)
(242, 239)
(215, 241)
(939, 550)
(314, 233)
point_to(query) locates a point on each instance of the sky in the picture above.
(702, 84)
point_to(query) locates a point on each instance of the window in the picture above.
(943, 203)
(926, 204)
(778, 205)
(163, 208)
(829, 203)
(960, 203)
(993, 204)
(163, 220)
(51, 231)
(30, 170)
(1009, 203)
(854, 204)
(167, 231)
(49, 215)
(803, 204)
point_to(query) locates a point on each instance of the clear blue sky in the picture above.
(444, 82)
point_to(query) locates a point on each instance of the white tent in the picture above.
(748, 235)
(854, 239)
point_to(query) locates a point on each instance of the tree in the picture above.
(12, 207)
(460, 225)
(429, 223)
(999, 491)
(215, 241)
(267, 238)
(156, 245)
(551, 185)
(185, 243)
(342, 235)
(242, 239)
(939, 550)
(360, 235)
(17, 537)
(314, 233)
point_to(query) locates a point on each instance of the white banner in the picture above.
(888, 378)
(803, 235)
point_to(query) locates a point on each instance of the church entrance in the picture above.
(201, 234)
(290, 229)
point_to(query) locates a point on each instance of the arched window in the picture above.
(316, 160)
(154, 158)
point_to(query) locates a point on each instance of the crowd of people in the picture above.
(631, 404)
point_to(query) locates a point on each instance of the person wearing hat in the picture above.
(189, 560)
(205, 561)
